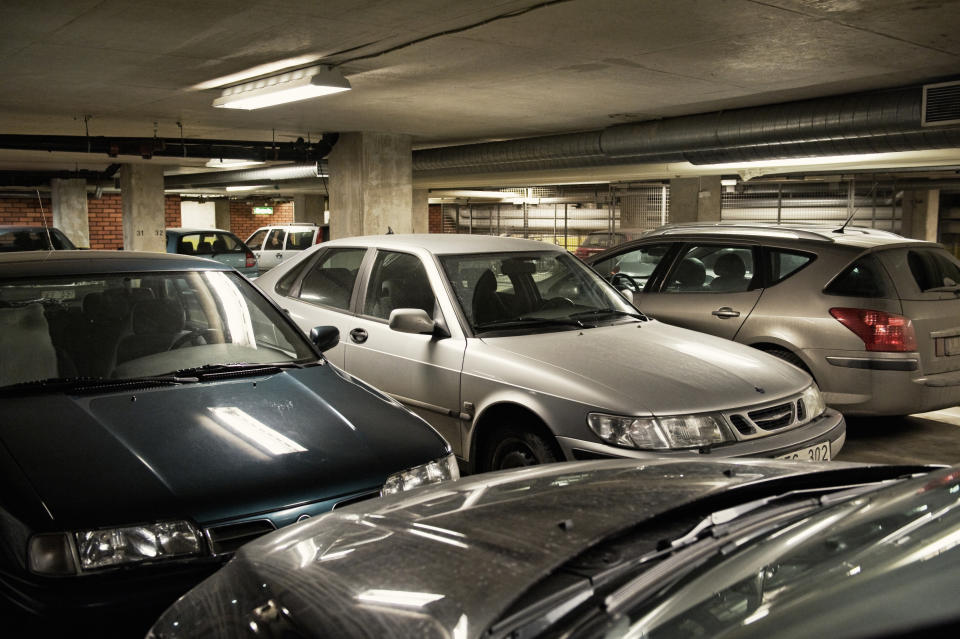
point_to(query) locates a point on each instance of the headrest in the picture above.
(729, 265)
(157, 316)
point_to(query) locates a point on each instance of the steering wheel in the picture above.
(634, 285)
(208, 335)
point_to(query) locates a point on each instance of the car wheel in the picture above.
(787, 356)
(515, 448)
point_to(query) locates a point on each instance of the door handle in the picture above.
(725, 312)
(358, 335)
(279, 256)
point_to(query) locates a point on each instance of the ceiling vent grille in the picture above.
(941, 104)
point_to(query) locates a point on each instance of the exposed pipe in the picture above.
(887, 121)
(298, 151)
(245, 177)
(42, 178)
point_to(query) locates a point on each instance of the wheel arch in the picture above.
(491, 416)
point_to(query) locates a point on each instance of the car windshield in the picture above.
(123, 326)
(814, 558)
(546, 290)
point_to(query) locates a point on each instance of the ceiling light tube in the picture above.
(291, 86)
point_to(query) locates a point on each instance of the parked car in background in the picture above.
(597, 241)
(214, 244)
(275, 244)
(33, 238)
(159, 411)
(663, 548)
(518, 354)
(873, 316)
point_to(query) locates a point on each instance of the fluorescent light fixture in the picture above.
(254, 72)
(291, 86)
(723, 182)
(251, 187)
(231, 164)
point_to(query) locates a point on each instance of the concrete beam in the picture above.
(921, 214)
(70, 215)
(695, 199)
(144, 224)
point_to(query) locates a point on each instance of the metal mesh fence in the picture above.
(563, 216)
(871, 204)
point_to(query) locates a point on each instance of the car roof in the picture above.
(855, 236)
(26, 227)
(49, 263)
(447, 243)
(186, 230)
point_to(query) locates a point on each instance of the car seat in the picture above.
(487, 305)
(689, 276)
(730, 272)
(156, 324)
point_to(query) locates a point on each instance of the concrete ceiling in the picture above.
(560, 66)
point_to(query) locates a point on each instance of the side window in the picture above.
(863, 278)
(398, 280)
(633, 267)
(783, 263)
(274, 241)
(299, 240)
(712, 269)
(331, 280)
(255, 241)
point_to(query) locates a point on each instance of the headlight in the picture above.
(658, 433)
(62, 553)
(436, 471)
(813, 402)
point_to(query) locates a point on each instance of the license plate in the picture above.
(817, 452)
(951, 346)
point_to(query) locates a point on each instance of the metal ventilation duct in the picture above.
(941, 104)
(888, 121)
(242, 177)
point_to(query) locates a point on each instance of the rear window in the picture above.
(864, 278)
(933, 269)
(209, 244)
(299, 240)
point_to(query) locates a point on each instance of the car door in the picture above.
(271, 253)
(320, 293)
(711, 287)
(421, 371)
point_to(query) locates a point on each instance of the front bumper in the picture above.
(828, 427)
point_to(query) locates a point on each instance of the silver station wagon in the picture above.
(873, 316)
(520, 354)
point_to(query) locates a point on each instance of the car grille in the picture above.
(760, 420)
(772, 418)
(227, 538)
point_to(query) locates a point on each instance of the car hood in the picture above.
(448, 560)
(634, 367)
(210, 450)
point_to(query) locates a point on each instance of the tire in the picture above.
(513, 447)
(789, 357)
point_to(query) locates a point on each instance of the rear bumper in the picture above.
(829, 427)
(883, 384)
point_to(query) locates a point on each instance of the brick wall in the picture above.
(243, 222)
(436, 219)
(104, 215)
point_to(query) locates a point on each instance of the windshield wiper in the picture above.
(521, 322)
(91, 384)
(237, 369)
(600, 312)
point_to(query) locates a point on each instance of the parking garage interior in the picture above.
(546, 120)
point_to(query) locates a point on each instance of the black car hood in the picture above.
(448, 560)
(211, 450)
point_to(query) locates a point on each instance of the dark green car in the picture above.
(158, 413)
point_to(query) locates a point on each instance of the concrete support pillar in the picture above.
(371, 184)
(421, 210)
(921, 214)
(141, 186)
(695, 199)
(309, 208)
(69, 203)
(221, 214)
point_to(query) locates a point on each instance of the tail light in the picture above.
(318, 238)
(251, 260)
(879, 331)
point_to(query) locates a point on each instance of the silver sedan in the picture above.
(519, 354)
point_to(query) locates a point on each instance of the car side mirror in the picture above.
(411, 320)
(325, 337)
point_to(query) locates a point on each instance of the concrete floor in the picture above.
(925, 438)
